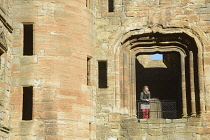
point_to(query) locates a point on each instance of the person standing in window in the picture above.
(145, 98)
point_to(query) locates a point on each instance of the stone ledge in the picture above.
(155, 121)
(29, 60)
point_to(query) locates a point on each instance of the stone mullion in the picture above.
(133, 85)
(201, 85)
(192, 84)
(123, 83)
(184, 99)
(125, 96)
(128, 83)
(119, 92)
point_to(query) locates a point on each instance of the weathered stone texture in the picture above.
(67, 32)
(178, 129)
(138, 17)
(5, 68)
(63, 105)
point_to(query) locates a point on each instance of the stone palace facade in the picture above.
(74, 69)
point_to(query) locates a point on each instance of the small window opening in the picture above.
(156, 57)
(88, 70)
(27, 103)
(102, 74)
(87, 3)
(111, 5)
(28, 39)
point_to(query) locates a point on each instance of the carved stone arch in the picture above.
(187, 43)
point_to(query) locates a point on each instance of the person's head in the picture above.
(146, 89)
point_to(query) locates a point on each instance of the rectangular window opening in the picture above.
(111, 5)
(102, 74)
(88, 70)
(28, 39)
(27, 103)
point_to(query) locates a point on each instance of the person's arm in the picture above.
(149, 95)
(141, 97)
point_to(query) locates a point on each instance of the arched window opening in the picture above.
(173, 79)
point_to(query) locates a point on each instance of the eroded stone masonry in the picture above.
(74, 69)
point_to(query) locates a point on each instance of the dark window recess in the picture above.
(88, 71)
(27, 103)
(87, 3)
(102, 74)
(28, 39)
(111, 5)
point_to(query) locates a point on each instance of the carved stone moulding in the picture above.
(3, 44)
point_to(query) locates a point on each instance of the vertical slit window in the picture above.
(102, 74)
(27, 103)
(88, 70)
(111, 5)
(28, 39)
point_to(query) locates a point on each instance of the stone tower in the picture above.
(43, 66)
(73, 69)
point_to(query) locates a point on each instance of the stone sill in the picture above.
(163, 121)
(28, 60)
(27, 121)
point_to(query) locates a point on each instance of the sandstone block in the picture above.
(155, 132)
(203, 130)
(114, 117)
